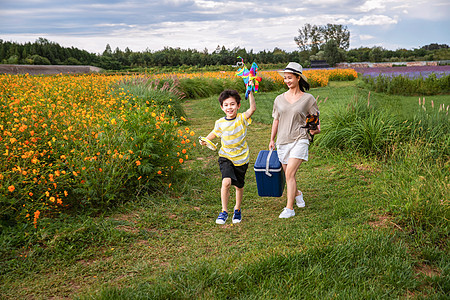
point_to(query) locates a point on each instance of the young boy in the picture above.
(234, 153)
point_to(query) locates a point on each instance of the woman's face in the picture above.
(291, 80)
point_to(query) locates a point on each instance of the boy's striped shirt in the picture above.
(233, 138)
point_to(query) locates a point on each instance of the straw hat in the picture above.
(294, 68)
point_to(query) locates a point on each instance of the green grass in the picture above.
(349, 242)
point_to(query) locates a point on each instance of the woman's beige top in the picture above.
(292, 116)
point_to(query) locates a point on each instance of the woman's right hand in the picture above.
(271, 145)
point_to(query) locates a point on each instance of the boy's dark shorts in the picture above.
(236, 173)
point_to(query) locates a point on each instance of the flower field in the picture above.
(85, 141)
(80, 141)
(408, 81)
(316, 78)
(410, 72)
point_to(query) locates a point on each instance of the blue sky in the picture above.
(199, 24)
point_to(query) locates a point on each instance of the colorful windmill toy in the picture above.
(249, 76)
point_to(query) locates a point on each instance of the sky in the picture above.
(259, 25)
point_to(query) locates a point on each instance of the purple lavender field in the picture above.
(411, 72)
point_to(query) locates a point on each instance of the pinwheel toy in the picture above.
(251, 81)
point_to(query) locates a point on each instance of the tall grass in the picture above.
(362, 128)
(415, 152)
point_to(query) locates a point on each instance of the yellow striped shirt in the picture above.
(233, 135)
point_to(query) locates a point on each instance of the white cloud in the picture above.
(365, 37)
(373, 20)
(373, 5)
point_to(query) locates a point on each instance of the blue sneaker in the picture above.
(237, 216)
(222, 218)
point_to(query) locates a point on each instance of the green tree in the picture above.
(332, 53)
(108, 51)
(39, 60)
(309, 38)
(313, 38)
(338, 33)
(376, 54)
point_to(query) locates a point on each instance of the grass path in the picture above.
(167, 246)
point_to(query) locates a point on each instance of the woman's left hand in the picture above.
(313, 132)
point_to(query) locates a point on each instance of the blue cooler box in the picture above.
(269, 174)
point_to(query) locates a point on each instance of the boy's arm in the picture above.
(210, 137)
(252, 107)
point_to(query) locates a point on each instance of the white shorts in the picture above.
(297, 149)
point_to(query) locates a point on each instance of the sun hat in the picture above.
(294, 68)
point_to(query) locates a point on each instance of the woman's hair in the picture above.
(230, 93)
(303, 84)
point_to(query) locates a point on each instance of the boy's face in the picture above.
(230, 107)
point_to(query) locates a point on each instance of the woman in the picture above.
(290, 111)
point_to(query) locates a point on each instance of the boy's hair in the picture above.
(229, 93)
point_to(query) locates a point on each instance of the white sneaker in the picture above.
(299, 200)
(287, 213)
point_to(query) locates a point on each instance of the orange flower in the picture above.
(181, 160)
(159, 172)
(11, 188)
(138, 163)
(36, 216)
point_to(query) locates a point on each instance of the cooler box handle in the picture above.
(267, 163)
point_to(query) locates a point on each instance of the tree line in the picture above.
(328, 43)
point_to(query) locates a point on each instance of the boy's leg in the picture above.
(239, 195)
(225, 193)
